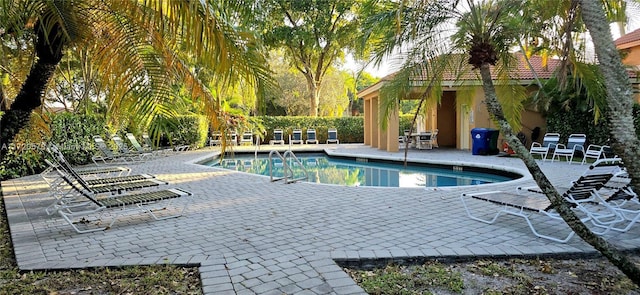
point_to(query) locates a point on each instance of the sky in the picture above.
(391, 65)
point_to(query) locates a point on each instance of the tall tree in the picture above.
(619, 95)
(140, 48)
(485, 30)
(313, 33)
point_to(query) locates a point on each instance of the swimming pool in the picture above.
(363, 172)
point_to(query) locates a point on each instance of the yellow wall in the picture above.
(632, 56)
(481, 118)
(529, 119)
(454, 118)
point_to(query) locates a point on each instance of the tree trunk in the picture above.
(619, 103)
(625, 143)
(314, 97)
(48, 51)
(560, 205)
(313, 89)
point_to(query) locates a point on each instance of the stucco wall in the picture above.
(529, 120)
(632, 56)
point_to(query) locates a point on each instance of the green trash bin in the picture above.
(492, 136)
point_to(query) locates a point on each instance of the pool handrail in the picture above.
(288, 172)
(297, 161)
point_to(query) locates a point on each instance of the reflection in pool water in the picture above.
(324, 169)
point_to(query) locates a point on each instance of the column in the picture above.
(393, 123)
(375, 126)
(367, 122)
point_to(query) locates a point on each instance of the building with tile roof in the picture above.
(629, 46)
(454, 117)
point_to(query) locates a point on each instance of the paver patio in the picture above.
(251, 236)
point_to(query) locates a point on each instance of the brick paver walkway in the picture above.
(250, 236)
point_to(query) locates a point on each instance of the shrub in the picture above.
(567, 123)
(20, 162)
(405, 123)
(182, 130)
(74, 135)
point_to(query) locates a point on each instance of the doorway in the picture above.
(447, 120)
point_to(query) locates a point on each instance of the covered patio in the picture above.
(454, 116)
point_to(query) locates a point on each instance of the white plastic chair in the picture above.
(296, 137)
(595, 152)
(311, 136)
(332, 136)
(247, 138)
(576, 142)
(549, 142)
(278, 137)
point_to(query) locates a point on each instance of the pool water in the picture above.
(327, 170)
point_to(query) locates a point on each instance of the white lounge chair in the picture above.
(139, 148)
(575, 143)
(107, 155)
(581, 195)
(215, 139)
(619, 195)
(85, 212)
(296, 137)
(549, 143)
(625, 202)
(332, 136)
(311, 136)
(247, 138)
(278, 137)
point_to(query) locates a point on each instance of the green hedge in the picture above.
(20, 162)
(575, 121)
(350, 129)
(74, 135)
(405, 123)
(189, 130)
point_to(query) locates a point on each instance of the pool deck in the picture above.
(251, 236)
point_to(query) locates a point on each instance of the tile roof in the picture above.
(543, 69)
(521, 71)
(628, 38)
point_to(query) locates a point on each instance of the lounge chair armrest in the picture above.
(480, 194)
(530, 189)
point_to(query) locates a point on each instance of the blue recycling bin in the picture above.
(484, 141)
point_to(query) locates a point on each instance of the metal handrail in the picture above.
(287, 170)
(297, 161)
(276, 153)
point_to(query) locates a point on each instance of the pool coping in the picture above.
(476, 167)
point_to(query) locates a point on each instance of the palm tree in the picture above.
(619, 92)
(485, 30)
(140, 48)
